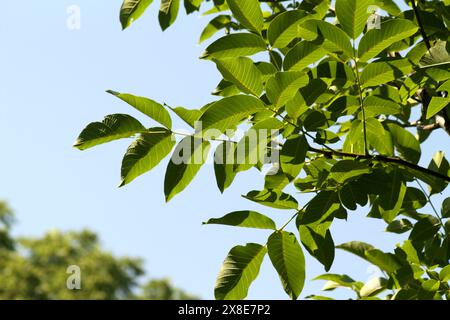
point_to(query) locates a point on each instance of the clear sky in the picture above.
(52, 83)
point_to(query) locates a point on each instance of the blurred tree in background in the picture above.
(36, 268)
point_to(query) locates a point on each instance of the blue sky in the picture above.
(53, 82)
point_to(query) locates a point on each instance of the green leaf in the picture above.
(336, 40)
(317, 92)
(431, 285)
(436, 105)
(216, 24)
(425, 229)
(219, 6)
(165, 6)
(252, 148)
(444, 87)
(320, 298)
(338, 280)
(224, 161)
(229, 112)
(353, 15)
(267, 69)
(345, 170)
(147, 106)
(288, 259)
(248, 13)
(315, 121)
(283, 86)
(245, 219)
(439, 164)
(296, 107)
(391, 199)
(168, 13)
(411, 252)
(377, 73)
(146, 153)
(113, 127)
(302, 55)
(318, 241)
(385, 261)
(188, 115)
(444, 274)
(339, 73)
(356, 247)
(277, 181)
(192, 5)
(437, 56)
(243, 73)
(375, 106)
(378, 137)
(389, 6)
(320, 208)
(293, 154)
(131, 10)
(273, 198)
(399, 226)
(373, 287)
(414, 199)
(235, 45)
(225, 89)
(405, 142)
(354, 142)
(239, 270)
(377, 40)
(351, 195)
(284, 28)
(187, 159)
(445, 210)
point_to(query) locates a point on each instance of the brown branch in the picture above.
(384, 159)
(421, 26)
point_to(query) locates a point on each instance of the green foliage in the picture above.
(37, 268)
(353, 15)
(352, 103)
(245, 219)
(131, 10)
(239, 270)
(288, 259)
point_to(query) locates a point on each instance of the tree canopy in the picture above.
(37, 268)
(345, 92)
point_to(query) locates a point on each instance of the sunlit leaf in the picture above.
(239, 270)
(248, 13)
(243, 73)
(113, 127)
(245, 219)
(131, 10)
(187, 159)
(145, 153)
(288, 259)
(377, 40)
(147, 106)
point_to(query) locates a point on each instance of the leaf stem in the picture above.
(432, 206)
(361, 99)
(294, 216)
(421, 26)
(274, 58)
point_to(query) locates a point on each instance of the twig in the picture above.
(420, 23)
(384, 159)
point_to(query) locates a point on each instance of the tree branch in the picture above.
(420, 23)
(384, 159)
